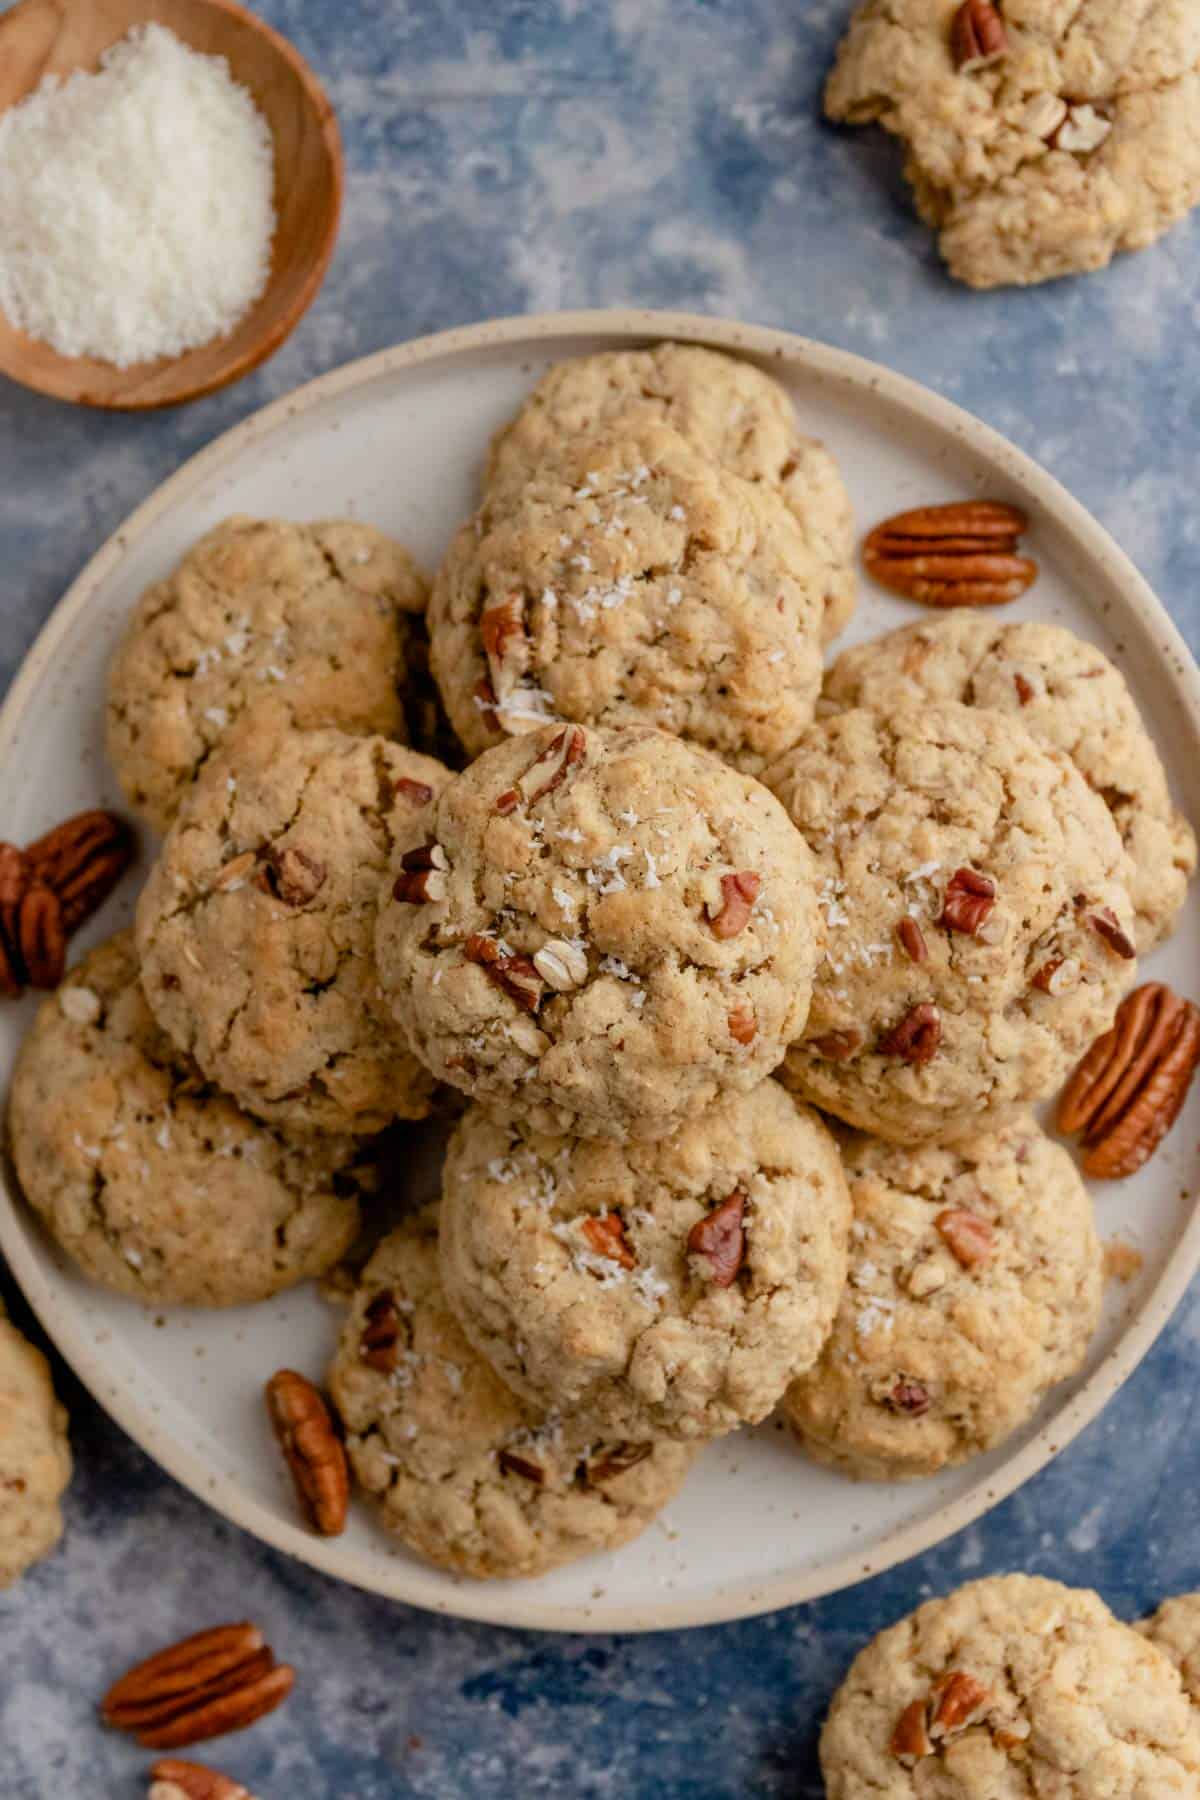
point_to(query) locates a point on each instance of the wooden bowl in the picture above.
(53, 37)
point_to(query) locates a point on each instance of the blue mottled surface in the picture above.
(514, 156)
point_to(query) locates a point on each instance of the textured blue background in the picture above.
(519, 155)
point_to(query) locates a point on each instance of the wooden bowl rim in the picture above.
(272, 338)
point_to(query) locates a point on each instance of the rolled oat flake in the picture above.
(136, 204)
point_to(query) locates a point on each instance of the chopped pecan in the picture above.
(977, 36)
(616, 1459)
(1128, 1090)
(484, 696)
(910, 1739)
(561, 965)
(235, 873)
(422, 874)
(838, 1046)
(970, 1238)
(82, 860)
(512, 1464)
(417, 793)
(963, 554)
(173, 1780)
(908, 1396)
(515, 975)
(379, 1345)
(291, 874)
(738, 894)
(956, 1702)
(720, 1238)
(1104, 921)
(39, 937)
(1057, 975)
(605, 1232)
(549, 770)
(217, 1681)
(912, 938)
(968, 900)
(502, 629)
(304, 1426)
(916, 1037)
(743, 1026)
(1083, 129)
(1025, 689)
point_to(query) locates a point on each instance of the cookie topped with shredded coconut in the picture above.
(974, 1285)
(461, 1470)
(670, 1289)
(600, 931)
(980, 929)
(314, 618)
(631, 580)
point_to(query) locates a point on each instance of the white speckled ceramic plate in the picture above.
(397, 439)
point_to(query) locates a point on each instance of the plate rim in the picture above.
(511, 1604)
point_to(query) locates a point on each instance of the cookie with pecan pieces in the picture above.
(975, 1283)
(460, 1469)
(600, 931)
(980, 929)
(1008, 1687)
(255, 928)
(670, 1288)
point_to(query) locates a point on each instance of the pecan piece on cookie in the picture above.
(962, 554)
(502, 630)
(1104, 922)
(967, 902)
(731, 913)
(912, 940)
(719, 1239)
(292, 875)
(614, 1460)
(977, 36)
(1130, 1087)
(916, 1037)
(379, 1345)
(217, 1681)
(605, 1232)
(512, 1464)
(969, 1238)
(422, 874)
(515, 975)
(909, 1396)
(314, 1451)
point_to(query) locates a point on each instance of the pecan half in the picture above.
(605, 1232)
(743, 1026)
(838, 1046)
(1128, 1090)
(512, 1464)
(38, 936)
(217, 1681)
(968, 900)
(910, 1739)
(617, 1459)
(515, 975)
(379, 1344)
(502, 629)
(916, 1037)
(172, 1780)
(82, 860)
(1106, 924)
(908, 1396)
(315, 1455)
(970, 1238)
(977, 36)
(549, 770)
(720, 1238)
(738, 894)
(963, 554)
(291, 874)
(957, 1701)
(912, 939)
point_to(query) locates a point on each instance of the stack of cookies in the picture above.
(748, 973)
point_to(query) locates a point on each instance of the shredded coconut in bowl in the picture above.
(136, 204)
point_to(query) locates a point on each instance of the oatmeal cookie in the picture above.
(255, 927)
(1175, 1629)
(35, 1457)
(1008, 1688)
(1069, 697)
(980, 927)
(462, 1471)
(602, 931)
(975, 1284)
(666, 1289)
(735, 413)
(153, 1182)
(1074, 136)
(631, 581)
(313, 615)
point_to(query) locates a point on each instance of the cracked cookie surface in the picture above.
(631, 581)
(975, 1282)
(667, 1289)
(313, 615)
(735, 413)
(255, 927)
(1069, 696)
(1175, 1630)
(621, 928)
(1081, 139)
(462, 1471)
(1010, 1688)
(35, 1456)
(151, 1181)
